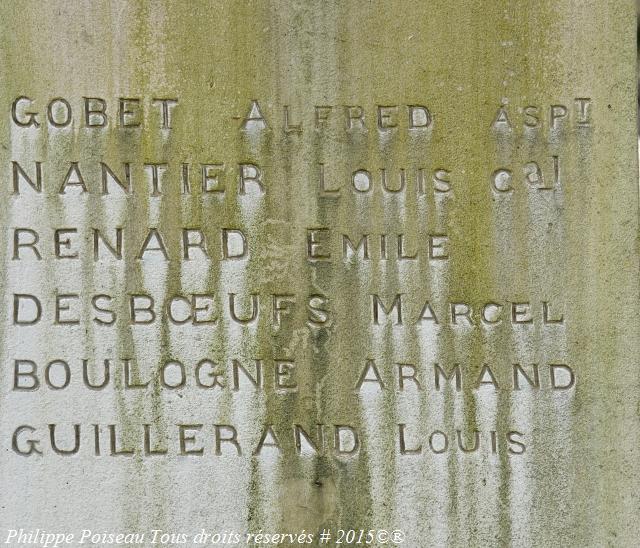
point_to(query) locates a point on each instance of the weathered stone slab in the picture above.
(294, 267)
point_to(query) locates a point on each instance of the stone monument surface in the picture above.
(289, 272)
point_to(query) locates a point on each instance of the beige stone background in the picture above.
(577, 484)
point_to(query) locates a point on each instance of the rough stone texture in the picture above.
(574, 246)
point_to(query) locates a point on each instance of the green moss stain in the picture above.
(571, 246)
